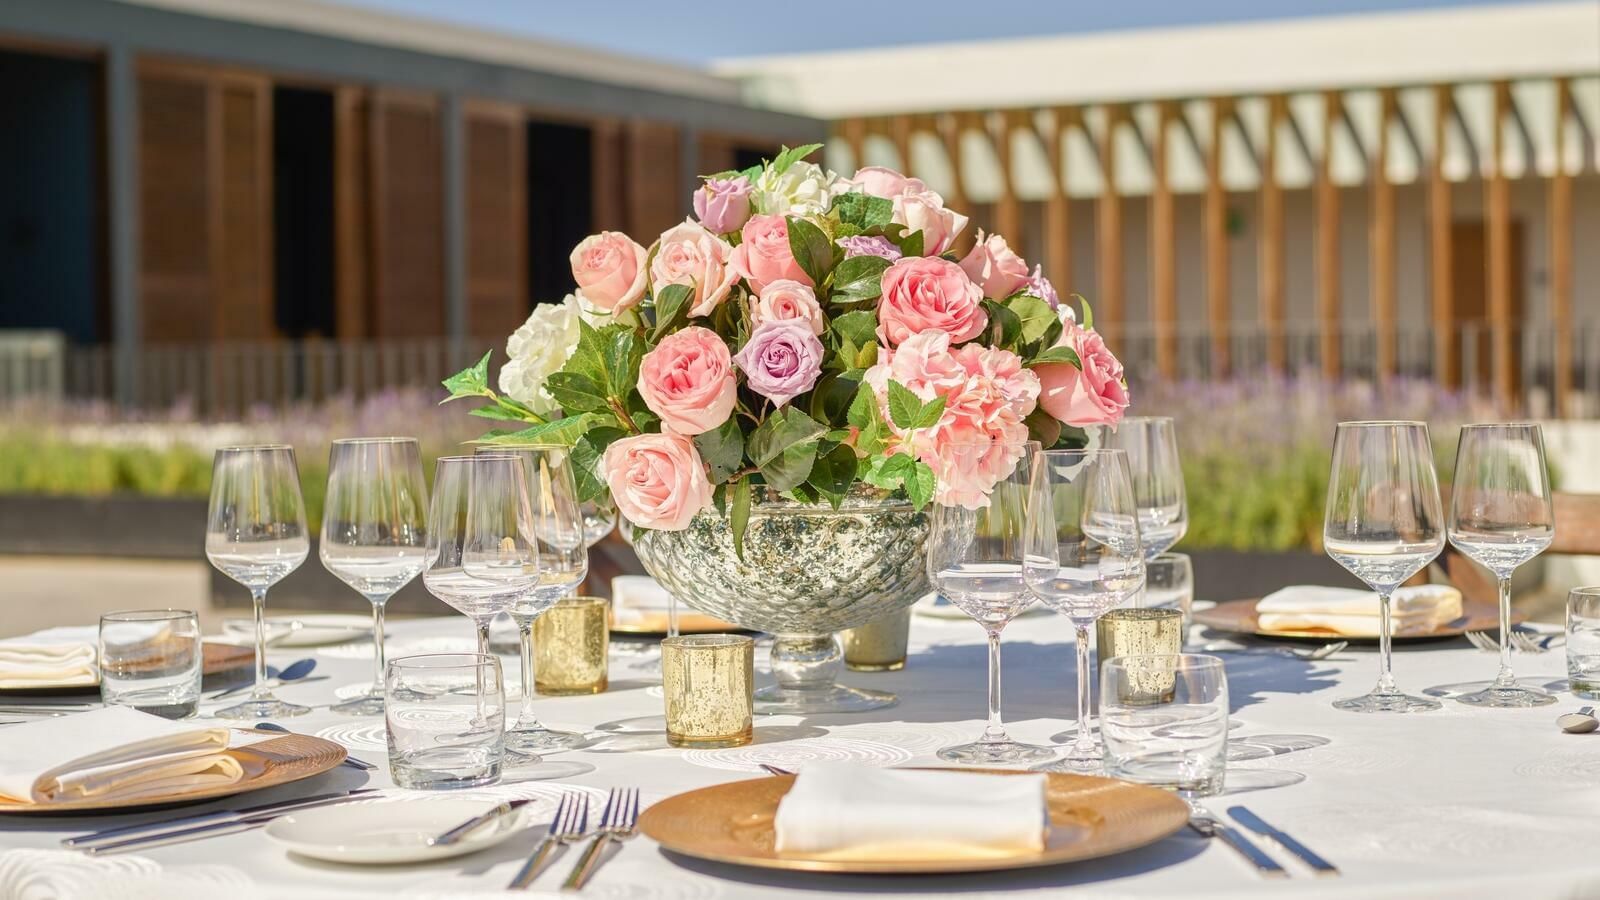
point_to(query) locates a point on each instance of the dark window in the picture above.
(302, 214)
(560, 205)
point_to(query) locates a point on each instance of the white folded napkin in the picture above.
(1354, 613)
(116, 753)
(849, 811)
(55, 657)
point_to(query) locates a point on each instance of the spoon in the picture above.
(351, 761)
(1581, 722)
(294, 671)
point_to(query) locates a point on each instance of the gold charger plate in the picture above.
(281, 760)
(650, 622)
(1240, 617)
(216, 658)
(1089, 816)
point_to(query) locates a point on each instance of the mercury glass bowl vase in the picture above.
(808, 571)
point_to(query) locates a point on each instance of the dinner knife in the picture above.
(185, 823)
(478, 821)
(1255, 823)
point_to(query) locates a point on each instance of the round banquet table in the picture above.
(1460, 803)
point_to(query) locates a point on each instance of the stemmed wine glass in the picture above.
(1384, 524)
(1501, 515)
(1083, 558)
(256, 535)
(558, 538)
(975, 560)
(1151, 443)
(599, 518)
(374, 533)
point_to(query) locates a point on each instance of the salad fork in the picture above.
(570, 823)
(619, 822)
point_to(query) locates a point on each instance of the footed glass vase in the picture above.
(807, 572)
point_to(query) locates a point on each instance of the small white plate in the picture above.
(393, 832)
(301, 631)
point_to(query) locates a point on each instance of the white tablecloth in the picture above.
(1458, 803)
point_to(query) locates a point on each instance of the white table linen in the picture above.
(1463, 802)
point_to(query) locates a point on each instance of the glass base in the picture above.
(522, 757)
(1077, 763)
(368, 705)
(1507, 697)
(1387, 702)
(833, 698)
(993, 753)
(539, 738)
(262, 709)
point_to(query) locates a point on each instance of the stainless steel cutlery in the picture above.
(1255, 823)
(570, 824)
(618, 822)
(203, 825)
(1203, 823)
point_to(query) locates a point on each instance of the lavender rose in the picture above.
(781, 360)
(1040, 286)
(869, 245)
(723, 204)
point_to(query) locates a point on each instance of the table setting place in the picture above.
(788, 704)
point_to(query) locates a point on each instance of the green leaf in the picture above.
(855, 329)
(1061, 354)
(739, 515)
(889, 472)
(1088, 313)
(811, 249)
(919, 484)
(623, 354)
(722, 448)
(586, 455)
(858, 278)
(1043, 427)
(1005, 326)
(863, 211)
(784, 446)
(831, 398)
(788, 157)
(496, 411)
(719, 498)
(833, 473)
(1035, 315)
(868, 421)
(911, 244)
(672, 303)
(576, 392)
(904, 406)
(928, 416)
(562, 431)
(472, 381)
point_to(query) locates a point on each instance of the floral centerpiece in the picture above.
(803, 332)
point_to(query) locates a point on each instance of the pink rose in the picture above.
(781, 360)
(609, 270)
(657, 480)
(924, 211)
(763, 255)
(994, 267)
(723, 204)
(1092, 395)
(688, 381)
(787, 299)
(689, 254)
(928, 292)
(880, 181)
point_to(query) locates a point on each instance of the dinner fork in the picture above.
(1529, 643)
(570, 822)
(619, 822)
(1483, 641)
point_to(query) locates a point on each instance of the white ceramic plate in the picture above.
(394, 832)
(302, 631)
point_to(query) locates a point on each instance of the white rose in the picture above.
(924, 211)
(803, 189)
(537, 350)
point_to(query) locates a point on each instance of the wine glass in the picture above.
(1152, 446)
(599, 518)
(1501, 516)
(1384, 524)
(256, 535)
(975, 560)
(374, 533)
(1083, 558)
(481, 558)
(559, 542)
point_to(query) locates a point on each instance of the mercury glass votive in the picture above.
(879, 645)
(1141, 631)
(708, 682)
(570, 644)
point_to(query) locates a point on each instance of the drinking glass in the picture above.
(1501, 515)
(445, 718)
(975, 559)
(1138, 631)
(374, 533)
(571, 643)
(256, 535)
(1151, 443)
(1169, 584)
(1083, 559)
(879, 645)
(560, 548)
(1165, 721)
(708, 683)
(150, 659)
(1384, 523)
(1583, 642)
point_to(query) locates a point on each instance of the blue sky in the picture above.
(695, 32)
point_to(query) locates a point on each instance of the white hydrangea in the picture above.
(803, 189)
(538, 349)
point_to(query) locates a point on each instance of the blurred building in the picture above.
(1409, 192)
(253, 200)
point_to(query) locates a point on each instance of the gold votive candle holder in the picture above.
(571, 641)
(879, 645)
(708, 682)
(1143, 631)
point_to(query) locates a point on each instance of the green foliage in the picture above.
(789, 156)
(858, 279)
(811, 248)
(784, 446)
(672, 308)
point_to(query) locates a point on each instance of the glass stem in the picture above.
(1084, 743)
(996, 731)
(526, 720)
(1506, 678)
(1385, 640)
(378, 658)
(258, 600)
(672, 614)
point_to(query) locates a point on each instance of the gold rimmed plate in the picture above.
(218, 658)
(653, 622)
(1241, 617)
(1090, 817)
(281, 760)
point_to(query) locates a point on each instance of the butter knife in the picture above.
(478, 821)
(1207, 825)
(1255, 823)
(184, 824)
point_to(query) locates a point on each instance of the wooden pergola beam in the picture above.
(1218, 300)
(854, 133)
(1561, 252)
(1440, 250)
(1109, 300)
(950, 126)
(1327, 235)
(1058, 207)
(1270, 253)
(1381, 235)
(1163, 248)
(1008, 209)
(1497, 203)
